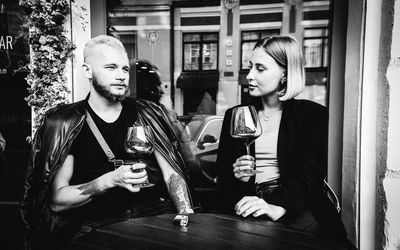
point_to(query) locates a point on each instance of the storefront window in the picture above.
(15, 114)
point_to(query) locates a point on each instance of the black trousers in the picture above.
(305, 222)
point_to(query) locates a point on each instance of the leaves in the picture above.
(50, 52)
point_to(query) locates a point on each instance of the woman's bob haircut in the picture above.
(287, 53)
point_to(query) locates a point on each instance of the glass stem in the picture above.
(247, 149)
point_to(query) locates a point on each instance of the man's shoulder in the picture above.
(148, 106)
(66, 111)
(145, 103)
(133, 102)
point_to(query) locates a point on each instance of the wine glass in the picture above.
(139, 142)
(246, 127)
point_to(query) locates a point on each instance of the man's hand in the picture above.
(128, 176)
(256, 206)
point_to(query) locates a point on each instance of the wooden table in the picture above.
(205, 231)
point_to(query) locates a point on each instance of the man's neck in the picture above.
(106, 110)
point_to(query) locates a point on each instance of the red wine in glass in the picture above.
(139, 142)
(246, 127)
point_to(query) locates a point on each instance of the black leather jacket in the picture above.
(51, 146)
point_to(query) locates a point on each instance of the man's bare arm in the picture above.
(66, 196)
(176, 185)
(179, 193)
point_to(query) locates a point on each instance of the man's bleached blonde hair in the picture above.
(287, 53)
(92, 44)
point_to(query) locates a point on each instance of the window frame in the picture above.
(324, 42)
(201, 43)
(253, 40)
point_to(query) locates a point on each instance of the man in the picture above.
(72, 182)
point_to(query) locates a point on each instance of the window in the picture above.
(249, 39)
(315, 47)
(209, 137)
(200, 51)
(129, 42)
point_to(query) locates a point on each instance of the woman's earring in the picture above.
(282, 87)
(283, 81)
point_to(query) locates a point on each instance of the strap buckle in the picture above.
(117, 163)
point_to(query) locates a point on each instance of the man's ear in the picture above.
(87, 70)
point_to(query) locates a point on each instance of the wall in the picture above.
(371, 136)
(159, 53)
(228, 87)
(78, 27)
(389, 162)
(368, 125)
(81, 33)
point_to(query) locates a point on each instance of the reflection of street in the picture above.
(241, 127)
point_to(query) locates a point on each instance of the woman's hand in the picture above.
(256, 206)
(128, 176)
(243, 167)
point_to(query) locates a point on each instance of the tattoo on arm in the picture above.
(88, 189)
(179, 194)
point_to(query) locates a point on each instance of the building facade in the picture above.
(202, 47)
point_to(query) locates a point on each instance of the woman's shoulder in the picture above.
(307, 106)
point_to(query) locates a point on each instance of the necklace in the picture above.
(267, 117)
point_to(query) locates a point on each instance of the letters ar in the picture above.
(6, 42)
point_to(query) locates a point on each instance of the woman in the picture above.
(291, 153)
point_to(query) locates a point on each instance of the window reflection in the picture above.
(316, 47)
(249, 39)
(209, 56)
(192, 53)
(200, 51)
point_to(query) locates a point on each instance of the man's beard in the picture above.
(105, 92)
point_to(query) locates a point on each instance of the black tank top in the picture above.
(91, 162)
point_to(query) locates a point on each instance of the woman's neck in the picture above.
(271, 103)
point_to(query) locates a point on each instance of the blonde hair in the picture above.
(110, 41)
(287, 53)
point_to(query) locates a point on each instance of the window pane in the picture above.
(313, 52)
(325, 53)
(191, 37)
(211, 132)
(209, 59)
(210, 37)
(247, 48)
(191, 57)
(252, 35)
(129, 42)
(314, 32)
(269, 33)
